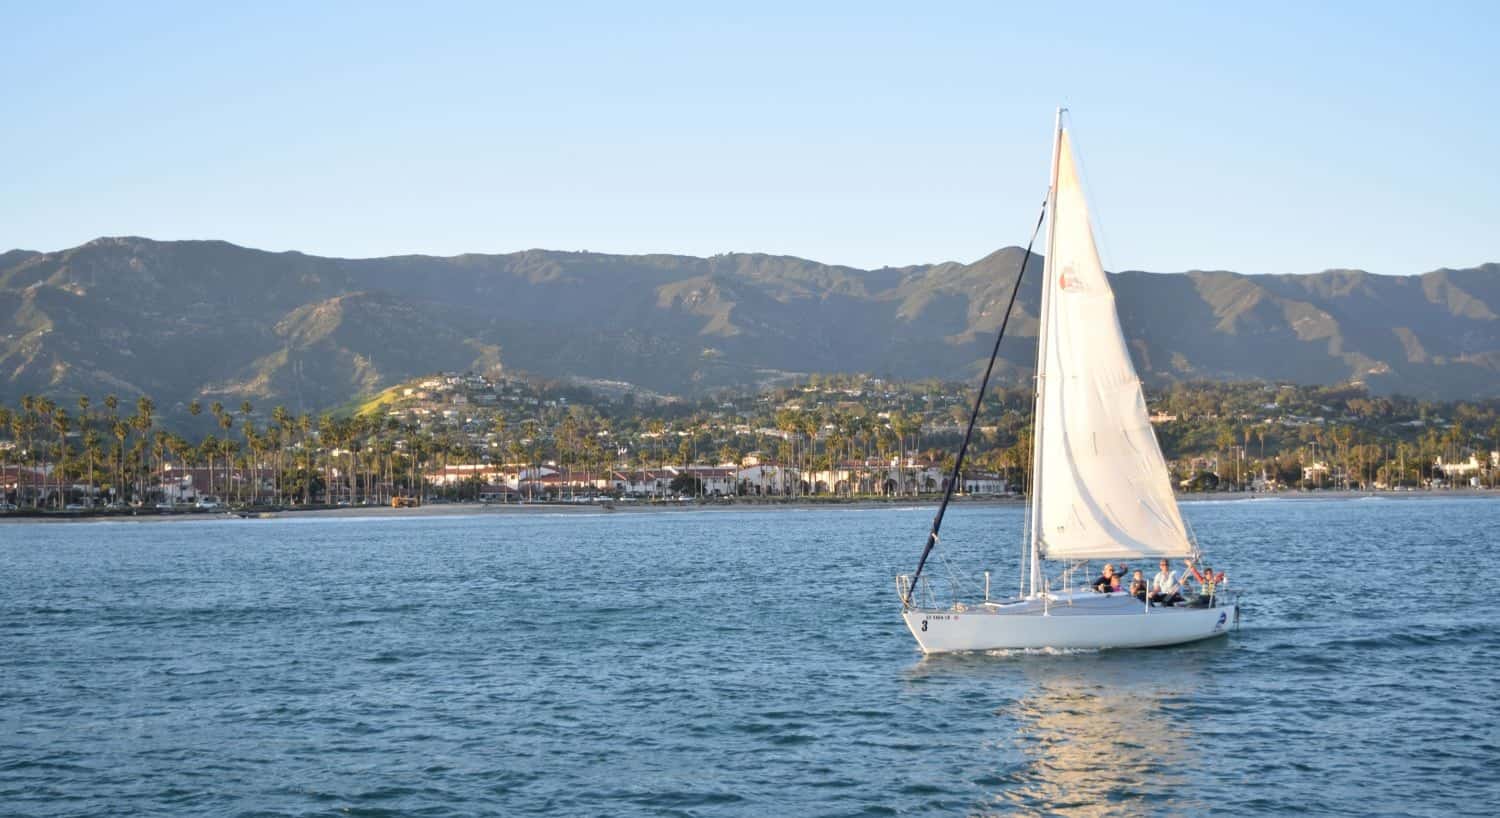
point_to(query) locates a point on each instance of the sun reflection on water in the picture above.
(1086, 733)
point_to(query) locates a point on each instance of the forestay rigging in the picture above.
(1102, 489)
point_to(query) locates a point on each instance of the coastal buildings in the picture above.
(991, 484)
(1461, 470)
(177, 483)
(1462, 473)
(1316, 472)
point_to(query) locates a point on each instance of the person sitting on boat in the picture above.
(1106, 582)
(1138, 586)
(1208, 581)
(1164, 586)
(1205, 577)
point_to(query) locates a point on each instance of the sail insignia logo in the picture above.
(1218, 626)
(1068, 279)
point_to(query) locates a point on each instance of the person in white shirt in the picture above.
(1165, 589)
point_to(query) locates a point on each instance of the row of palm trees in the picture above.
(105, 455)
(39, 430)
(54, 455)
(1354, 457)
(108, 453)
(848, 437)
(121, 452)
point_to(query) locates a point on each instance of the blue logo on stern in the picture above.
(1218, 626)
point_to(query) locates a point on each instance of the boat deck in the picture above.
(1084, 603)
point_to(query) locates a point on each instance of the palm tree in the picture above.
(517, 452)
(334, 439)
(226, 422)
(304, 429)
(120, 430)
(142, 423)
(85, 424)
(898, 431)
(532, 452)
(354, 437)
(61, 424)
(787, 423)
(248, 431)
(228, 448)
(7, 417)
(387, 466)
(326, 441)
(914, 428)
(594, 456)
(1244, 448)
(808, 425)
(184, 453)
(136, 461)
(1019, 456)
(42, 409)
(862, 429)
(283, 436)
(254, 445)
(112, 404)
(832, 447)
(195, 408)
(159, 447)
(208, 448)
(1494, 441)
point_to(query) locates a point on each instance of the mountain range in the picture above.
(208, 319)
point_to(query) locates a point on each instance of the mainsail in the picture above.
(1102, 490)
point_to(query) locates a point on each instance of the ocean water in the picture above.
(737, 663)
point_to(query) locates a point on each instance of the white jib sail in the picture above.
(1103, 490)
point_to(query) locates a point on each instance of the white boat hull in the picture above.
(1087, 621)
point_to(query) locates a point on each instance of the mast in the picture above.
(1043, 330)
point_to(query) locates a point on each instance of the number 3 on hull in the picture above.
(1100, 487)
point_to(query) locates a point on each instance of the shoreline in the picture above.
(618, 507)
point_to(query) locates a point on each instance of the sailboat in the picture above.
(1100, 486)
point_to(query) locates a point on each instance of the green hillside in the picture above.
(213, 320)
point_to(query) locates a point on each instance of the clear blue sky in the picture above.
(1279, 138)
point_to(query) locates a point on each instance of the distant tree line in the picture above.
(1216, 434)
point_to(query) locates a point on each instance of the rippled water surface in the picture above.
(729, 663)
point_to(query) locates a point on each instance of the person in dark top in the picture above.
(1108, 581)
(1138, 586)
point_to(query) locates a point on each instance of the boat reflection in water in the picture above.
(1091, 734)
